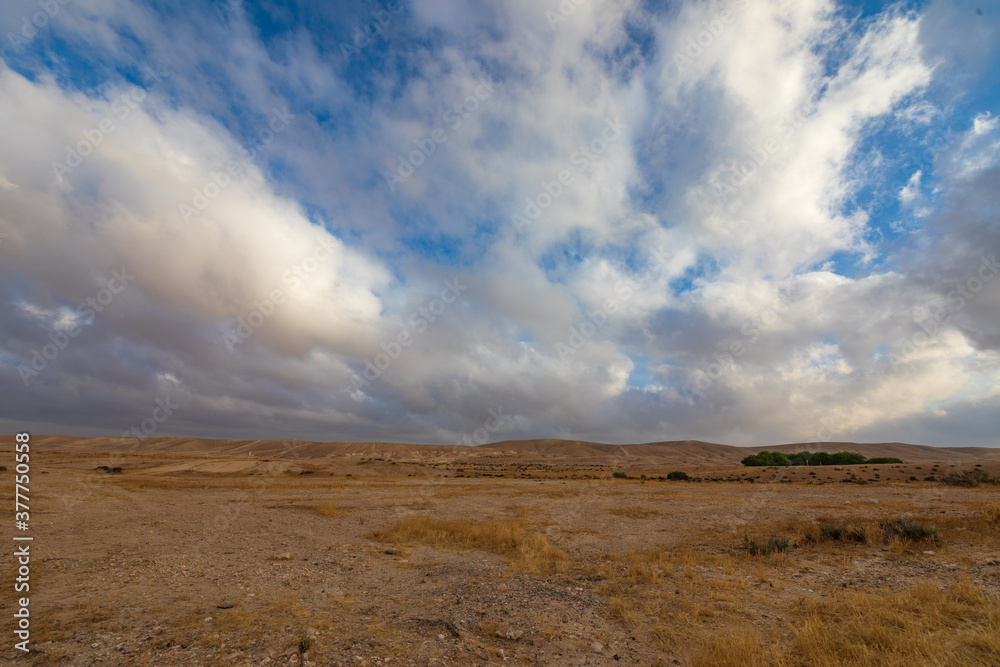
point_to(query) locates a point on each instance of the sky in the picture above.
(457, 222)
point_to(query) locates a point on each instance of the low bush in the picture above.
(772, 545)
(970, 478)
(850, 533)
(678, 475)
(909, 529)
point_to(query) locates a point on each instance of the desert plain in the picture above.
(177, 551)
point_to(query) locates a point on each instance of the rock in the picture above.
(226, 605)
(597, 646)
(929, 553)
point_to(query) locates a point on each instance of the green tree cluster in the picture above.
(766, 458)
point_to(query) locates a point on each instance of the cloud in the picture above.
(659, 221)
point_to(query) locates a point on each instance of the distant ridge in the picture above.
(678, 452)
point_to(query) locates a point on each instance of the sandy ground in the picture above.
(201, 561)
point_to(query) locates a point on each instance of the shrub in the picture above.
(618, 474)
(970, 478)
(773, 544)
(678, 475)
(884, 459)
(909, 529)
(849, 533)
(305, 643)
(831, 532)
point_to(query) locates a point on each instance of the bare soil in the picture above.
(196, 560)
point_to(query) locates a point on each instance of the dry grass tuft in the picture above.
(924, 625)
(740, 647)
(527, 551)
(990, 514)
(546, 628)
(623, 610)
(633, 512)
(327, 509)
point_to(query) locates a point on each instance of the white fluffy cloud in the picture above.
(646, 216)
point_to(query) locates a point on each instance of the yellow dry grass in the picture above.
(990, 513)
(245, 482)
(527, 551)
(634, 512)
(958, 625)
(327, 509)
